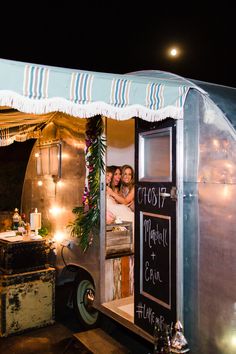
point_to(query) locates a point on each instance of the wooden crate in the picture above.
(119, 239)
(27, 301)
(23, 256)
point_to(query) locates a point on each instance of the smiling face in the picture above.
(127, 175)
(117, 177)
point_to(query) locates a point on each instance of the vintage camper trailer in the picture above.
(175, 260)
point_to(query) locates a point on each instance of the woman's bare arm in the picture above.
(120, 199)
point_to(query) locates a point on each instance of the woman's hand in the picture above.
(110, 191)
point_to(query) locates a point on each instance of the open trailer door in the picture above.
(155, 224)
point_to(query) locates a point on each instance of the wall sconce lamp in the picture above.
(55, 179)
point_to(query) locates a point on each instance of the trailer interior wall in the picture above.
(120, 142)
(119, 269)
(56, 200)
(209, 228)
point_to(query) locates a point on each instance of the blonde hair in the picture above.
(123, 168)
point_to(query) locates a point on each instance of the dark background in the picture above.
(117, 37)
(124, 36)
(13, 162)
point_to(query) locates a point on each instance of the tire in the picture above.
(84, 293)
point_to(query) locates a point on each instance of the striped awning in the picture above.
(40, 89)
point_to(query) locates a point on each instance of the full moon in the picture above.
(173, 52)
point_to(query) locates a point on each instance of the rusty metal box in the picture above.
(119, 239)
(27, 301)
(23, 256)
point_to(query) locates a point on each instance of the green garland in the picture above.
(87, 222)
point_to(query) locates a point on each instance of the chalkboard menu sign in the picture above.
(155, 258)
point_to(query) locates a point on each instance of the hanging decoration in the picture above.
(87, 222)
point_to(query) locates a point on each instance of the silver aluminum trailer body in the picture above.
(184, 159)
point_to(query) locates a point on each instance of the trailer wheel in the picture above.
(83, 299)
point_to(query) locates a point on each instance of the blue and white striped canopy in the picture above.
(39, 89)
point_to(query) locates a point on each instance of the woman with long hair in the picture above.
(126, 195)
(109, 175)
(113, 181)
(116, 178)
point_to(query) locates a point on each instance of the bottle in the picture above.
(16, 219)
(23, 220)
(28, 230)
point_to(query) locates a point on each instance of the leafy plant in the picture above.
(43, 231)
(87, 221)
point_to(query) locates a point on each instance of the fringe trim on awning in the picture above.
(7, 137)
(6, 142)
(35, 106)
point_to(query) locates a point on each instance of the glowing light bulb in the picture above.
(55, 211)
(59, 236)
(59, 183)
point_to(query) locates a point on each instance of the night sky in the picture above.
(125, 36)
(115, 37)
